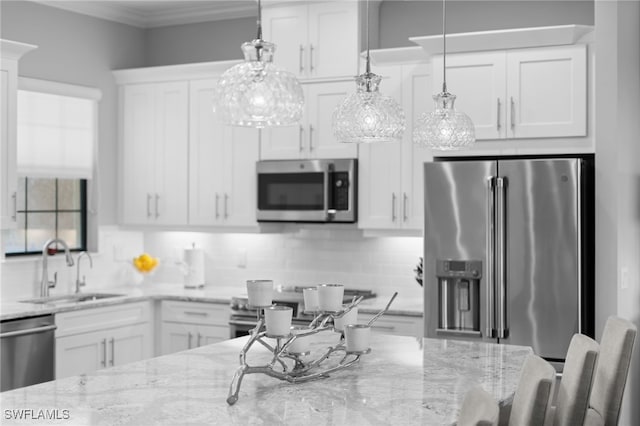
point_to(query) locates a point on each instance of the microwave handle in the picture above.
(328, 192)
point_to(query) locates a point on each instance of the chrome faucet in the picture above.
(45, 283)
(83, 282)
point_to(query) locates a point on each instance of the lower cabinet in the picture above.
(95, 338)
(188, 325)
(399, 325)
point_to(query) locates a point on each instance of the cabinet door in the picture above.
(322, 99)
(547, 90)
(206, 156)
(283, 143)
(138, 153)
(416, 81)
(478, 81)
(80, 354)
(208, 334)
(286, 26)
(238, 202)
(171, 148)
(176, 337)
(379, 168)
(129, 344)
(333, 39)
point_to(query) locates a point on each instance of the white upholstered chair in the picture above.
(534, 393)
(616, 347)
(479, 408)
(572, 398)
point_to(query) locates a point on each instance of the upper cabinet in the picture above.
(313, 137)
(521, 93)
(154, 153)
(314, 40)
(10, 53)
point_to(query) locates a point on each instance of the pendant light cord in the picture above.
(444, 47)
(259, 21)
(368, 69)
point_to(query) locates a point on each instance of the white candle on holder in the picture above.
(330, 297)
(310, 299)
(278, 320)
(357, 337)
(350, 317)
(300, 344)
(260, 292)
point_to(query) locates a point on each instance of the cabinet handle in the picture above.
(311, 58)
(148, 205)
(103, 361)
(513, 114)
(393, 207)
(310, 138)
(226, 202)
(202, 314)
(300, 135)
(498, 124)
(189, 337)
(301, 61)
(157, 210)
(217, 203)
(199, 337)
(383, 327)
(14, 197)
(404, 206)
(113, 352)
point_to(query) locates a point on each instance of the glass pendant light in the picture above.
(256, 93)
(367, 115)
(444, 128)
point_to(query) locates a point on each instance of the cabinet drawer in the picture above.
(394, 324)
(92, 319)
(195, 312)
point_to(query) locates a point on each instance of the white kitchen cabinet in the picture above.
(521, 93)
(155, 153)
(10, 53)
(313, 138)
(188, 325)
(94, 338)
(398, 325)
(222, 184)
(390, 184)
(314, 40)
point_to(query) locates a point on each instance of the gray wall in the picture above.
(402, 19)
(78, 49)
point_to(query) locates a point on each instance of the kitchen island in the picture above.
(403, 380)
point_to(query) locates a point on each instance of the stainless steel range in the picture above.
(244, 318)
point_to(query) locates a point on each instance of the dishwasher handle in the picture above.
(28, 331)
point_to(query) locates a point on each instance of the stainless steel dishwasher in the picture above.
(27, 351)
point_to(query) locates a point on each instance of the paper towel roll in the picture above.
(194, 259)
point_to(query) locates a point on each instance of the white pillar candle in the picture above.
(278, 320)
(357, 337)
(350, 317)
(330, 297)
(260, 292)
(310, 299)
(301, 344)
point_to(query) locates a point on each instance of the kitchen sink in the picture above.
(71, 298)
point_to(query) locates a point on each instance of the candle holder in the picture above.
(294, 367)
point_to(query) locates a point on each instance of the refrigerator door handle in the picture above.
(501, 237)
(489, 272)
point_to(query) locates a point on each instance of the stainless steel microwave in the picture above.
(307, 190)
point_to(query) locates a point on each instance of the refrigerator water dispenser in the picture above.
(459, 296)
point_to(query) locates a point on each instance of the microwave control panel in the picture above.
(341, 191)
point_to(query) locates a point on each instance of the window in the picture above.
(48, 208)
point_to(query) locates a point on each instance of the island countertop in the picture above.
(403, 380)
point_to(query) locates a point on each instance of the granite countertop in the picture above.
(171, 291)
(403, 380)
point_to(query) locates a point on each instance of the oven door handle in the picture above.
(328, 193)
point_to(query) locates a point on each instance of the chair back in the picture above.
(612, 369)
(479, 408)
(533, 395)
(572, 398)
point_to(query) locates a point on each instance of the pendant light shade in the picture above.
(256, 93)
(444, 128)
(367, 115)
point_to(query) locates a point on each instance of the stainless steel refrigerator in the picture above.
(508, 246)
